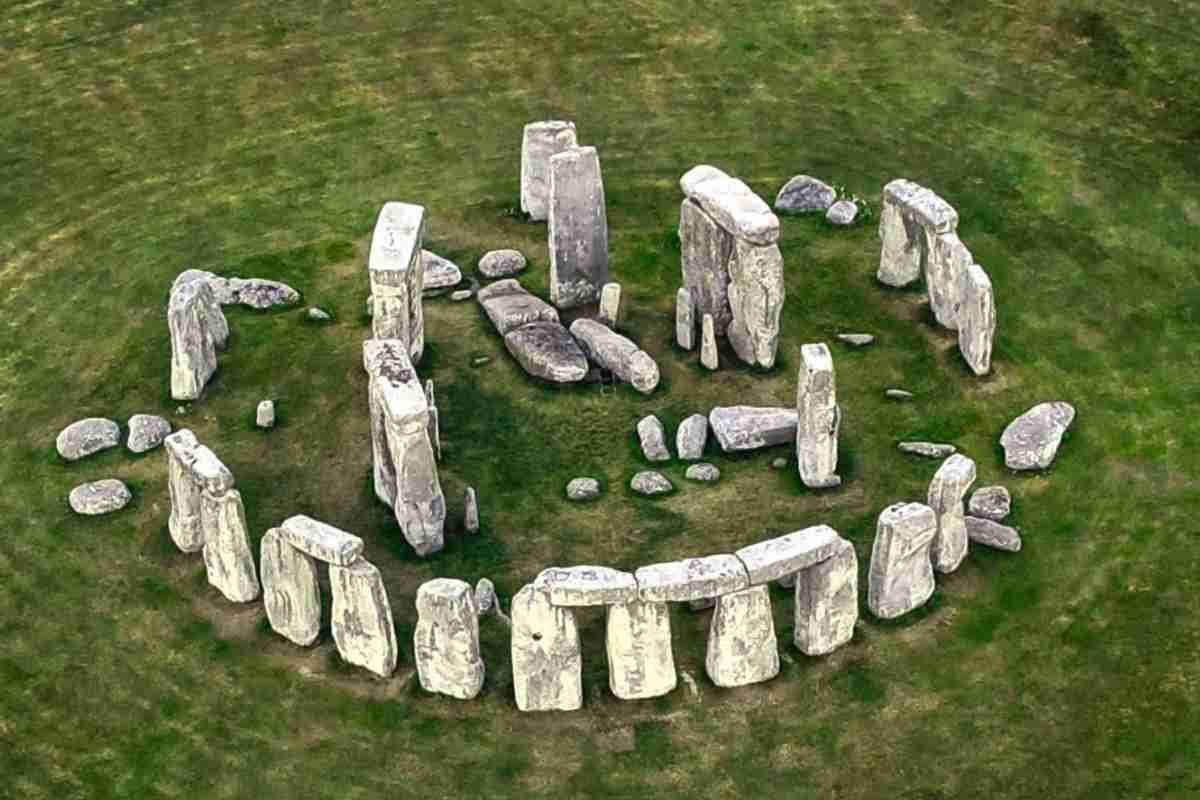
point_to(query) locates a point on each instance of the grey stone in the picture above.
(691, 579)
(291, 592)
(257, 293)
(641, 663)
(397, 277)
(212, 475)
(703, 172)
(486, 600)
(87, 436)
(910, 218)
(361, 616)
(772, 559)
(705, 253)
(446, 639)
(732, 204)
(547, 350)
(99, 497)
(318, 314)
(471, 512)
(946, 266)
(546, 661)
(583, 489)
(843, 212)
(480, 361)
(440, 273)
(827, 602)
(709, 356)
(856, 339)
(611, 351)
(818, 418)
(198, 329)
(462, 294)
(146, 432)
(653, 439)
(779, 463)
(685, 319)
(264, 415)
(990, 502)
(184, 489)
(740, 428)
(804, 193)
(928, 449)
(541, 141)
(610, 304)
(321, 541)
(977, 320)
(742, 648)
(756, 295)
(227, 556)
(650, 483)
(898, 394)
(501, 263)
(901, 573)
(509, 306)
(587, 586)
(1031, 440)
(578, 228)
(703, 473)
(947, 491)
(691, 436)
(992, 534)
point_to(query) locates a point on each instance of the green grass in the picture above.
(253, 138)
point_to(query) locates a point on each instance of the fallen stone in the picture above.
(977, 320)
(446, 639)
(291, 591)
(546, 661)
(146, 432)
(501, 263)
(440, 273)
(992, 534)
(843, 212)
(578, 228)
(471, 512)
(827, 602)
(547, 350)
(99, 497)
(611, 351)
(818, 418)
(361, 616)
(911, 216)
(947, 491)
(756, 295)
(856, 339)
(486, 600)
(703, 473)
(772, 559)
(321, 541)
(509, 306)
(587, 586)
(901, 573)
(653, 437)
(740, 428)
(733, 205)
(685, 319)
(709, 356)
(541, 141)
(397, 276)
(742, 648)
(257, 293)
(641, 663)
(804, 193)
(650, 483)
(691, 436)
(928, 449)
(227, 556)
(898, 394)
(1031, 440)
(198, 329)
(610, 304)
(779, 463)
(264, 415)
(184, 490)
(318, 314)
(990, 502)
(946, 265)
(583, 489)
(691, 579)
(462, 294)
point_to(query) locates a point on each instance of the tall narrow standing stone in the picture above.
(742, 648)
(291, 593)
(977, 320)
(705, 252)
(446, 639)
(578, 230)
(546, 662)
(192, 315)
(541, 140)
(227, 556)
(610, 304)
(756, 294)
(827, 602)
(471, 512)
(708, 343)
(819, 418)
(901, 574)
(362, 617)
(398, 277)
(685, 319)
(184, 488)
(641, 663)
(947, 493)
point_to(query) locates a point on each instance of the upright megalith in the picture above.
(901, 573)
(947, 495)
(909, 222)
(398, 277)
(578, 228)
(406, 474)
(977, 320)
(291, 592)
(641, 663)
(709, 356)
(742, 648)
(446, 639)
(227, 556)
(362, 617)
(198, 329)
(546, 661)
(540, 141)
(818, 418)
(610, 304)
(705, 251)
(685, 319)
(946, 266)
(827, 602)
(184, 490)
(610, 350)
(756, 294)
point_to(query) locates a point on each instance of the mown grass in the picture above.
(250, 138)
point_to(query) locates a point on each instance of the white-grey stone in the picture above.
(901, 572)
(947, 493)
(946, 266)
(927, 449)
(691, 436)
(653, 439)
(99, 497)
(318, 314)
(732, 204)
(440, 273)
(773, 559)
(843, 212)
(509, 306)
(804, 193)
(257, 293)
(751, 427)
(362, 617)
(227, 556)
(909, 220)
(977, 320)
(992, 534)
(709, 356)
(650, 483)
(827, 602)
(1031, 440)
(446, 639)
(195, 321)
(856, 339)
(685, 319)
(264, 415)
(578, 228)
(397, 277)
(611, 351)
(818, 418)
(291, 592)
(641, 663)
(471, 511)
(540, 141)
(742, 648)
(583, 489)
(705, 253)
(87, 436)
(547, 350)
(703, 473)
(756, 295)
(546, 662)
(990, 502)
(898, 394)
(222, 294)
(321, 541)
(610, 304)
(184, 489)
(212, 475)
(486, 600)
(501, 263)
(146, 432)
(587, 586)
(691, 579)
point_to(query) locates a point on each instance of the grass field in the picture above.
(260, 138)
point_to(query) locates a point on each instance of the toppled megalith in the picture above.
(742, 648)
(947, 494)
(509, 305)
(397, 277)
(610, 350)
(540, 141)
(546, 661)
(827, 602)
(198, 329)
(578, 228)
(1031, 440)
(446, 639)
(184, 490)
(547, 350)
(751, 427)
(641, 663)
(405, 467)
(977, 320)
(818, 418)
(362, 617)
(291, 592)
(901, 573)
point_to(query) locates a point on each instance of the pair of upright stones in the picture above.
(732, 268)
(198, 330)
(742, 645)
(917, 229)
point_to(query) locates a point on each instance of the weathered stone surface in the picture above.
(221, 294)
(691, 579)
(827, 602)
(547, 350)
(321, 315)
(251, 292)
(1031, 440)
(777, 558)
(578, 228)
(99, 497)
(756, 295)
(587, 586)
(734, 206)
(501, 263)
(992, 534)
(641, 663)
(184, 490)
(703, 473)
(901, 573)
(540, 142)
(927, 449)
(440, 273)
(146, 432)
(321, 541)
(653, 439)
(583, 489)
(611, 351)
(898, 394)
(610, 304)
(462, 294)
(87, 436)
(208, 470)
(546, 661)
(509, 306)
(818, 418)
(194, 320)
(702, 172)
(291, 592)
(705, 253)
(398, 276)
(779, 463)
(691, 436)
(946, 266)
(947, 491)
(471, 511)
(227, 556)
(804, 193)
(486, 600)
(685, 319)
(856, 339)
(264, 415)
(362, 617)
(446, 639)
(435, 432)
(742, 648)
(709, 356)
(990, 502)
(751, 427)
(650, 483)
(977, 320)
(843, 212)
(910, 218)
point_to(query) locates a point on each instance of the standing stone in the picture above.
(777, 559)
(547, 350)
(685, 319)
(992, 534)
(291, 592)
(977, 320)
(740, 428)
(184, 490)
(653, 439)
(945, 274)
(827, 602)
(610, 304)
(362, 617)
(541, 140)
(909, 220)
(196, 325)
(691, 437)
(509, 306)
(742, 648)
(1031, 440)
(641, 663)
(398, 277)
(435, 432)
(947, 491)
(446, 639)
(756, 295)
(471, 514)
(546, 662)
(818, 418)
(901, 573)
(804, 193)
(990, 502)
(578, 228)
(87, 436)
(486, 601)
(146, 432)
(264, 416)
(99, 497)
(611, 351)
(705, 252)
(227, 556)
(708, 343)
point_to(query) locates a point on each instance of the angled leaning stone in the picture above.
(587, 586)
(546, 662)
(446, 639)
(641, 663)
(321, 541)
(362, 617)
(742, 648)
(901, 574)
(291, 592)
(691, 579)
(827, 602)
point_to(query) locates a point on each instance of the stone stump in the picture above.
(362, 617)
(685, 319)
(578, 228)
(709, 356)
(610, 304)
(947, 494)
(397, 276)
(446, 639)
(291, 592)
(742, 648)
(818, 418)
(901, 573)
(546, 661)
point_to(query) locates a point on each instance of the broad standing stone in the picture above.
(818, 418)
(184, 489)
(471, 514)
(827, 602)
(610, 304)
(945, 273)
(977, 320)
(546, 662)
(708, 343)
(446, 639)
(901, 574)
(705, 252)
(804, 193)
(227, 556)
(578, 229)
(146, 432)
(611, 351)
(992, 534)
(398, 277)
(362, 617)
(641, 663)
(321, 541)
(751, 427)
(541, 140)
(264, 415)
(197, 327)
(99, 497)
(653, 438)
(509, 306)
(910, 218)
(291, 592)
(742, 648)
(87, 436)
(756, 294)
(1031, 440)
(685, 319)
(990, 502)
(947, 491)
(547, 350)
(691, 437)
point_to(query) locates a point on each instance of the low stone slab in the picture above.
(440, 273)
(691, 579)
(291, 591)
(901, 573)
(227, 556)
(587, 586)
(362, 617)
(803, 193)
(776, 558)
(641, 663)
(446, 639)
(650, 483)
(734, 206)
(827, 602)
(509, 306)
(546, 661)
(547, 350)
(742, 648)
(992, 534)
(652, 437)
(740, 428)
(87, 436)
(146, 432)
(1031, 440)
(321, 541)
(99, 497)
(257, 293)
(703, 473)
(856, 339)
(501, 263)
(611, 351)
(583, 489)
(927, 449)
(990, 502)
(947, 493)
